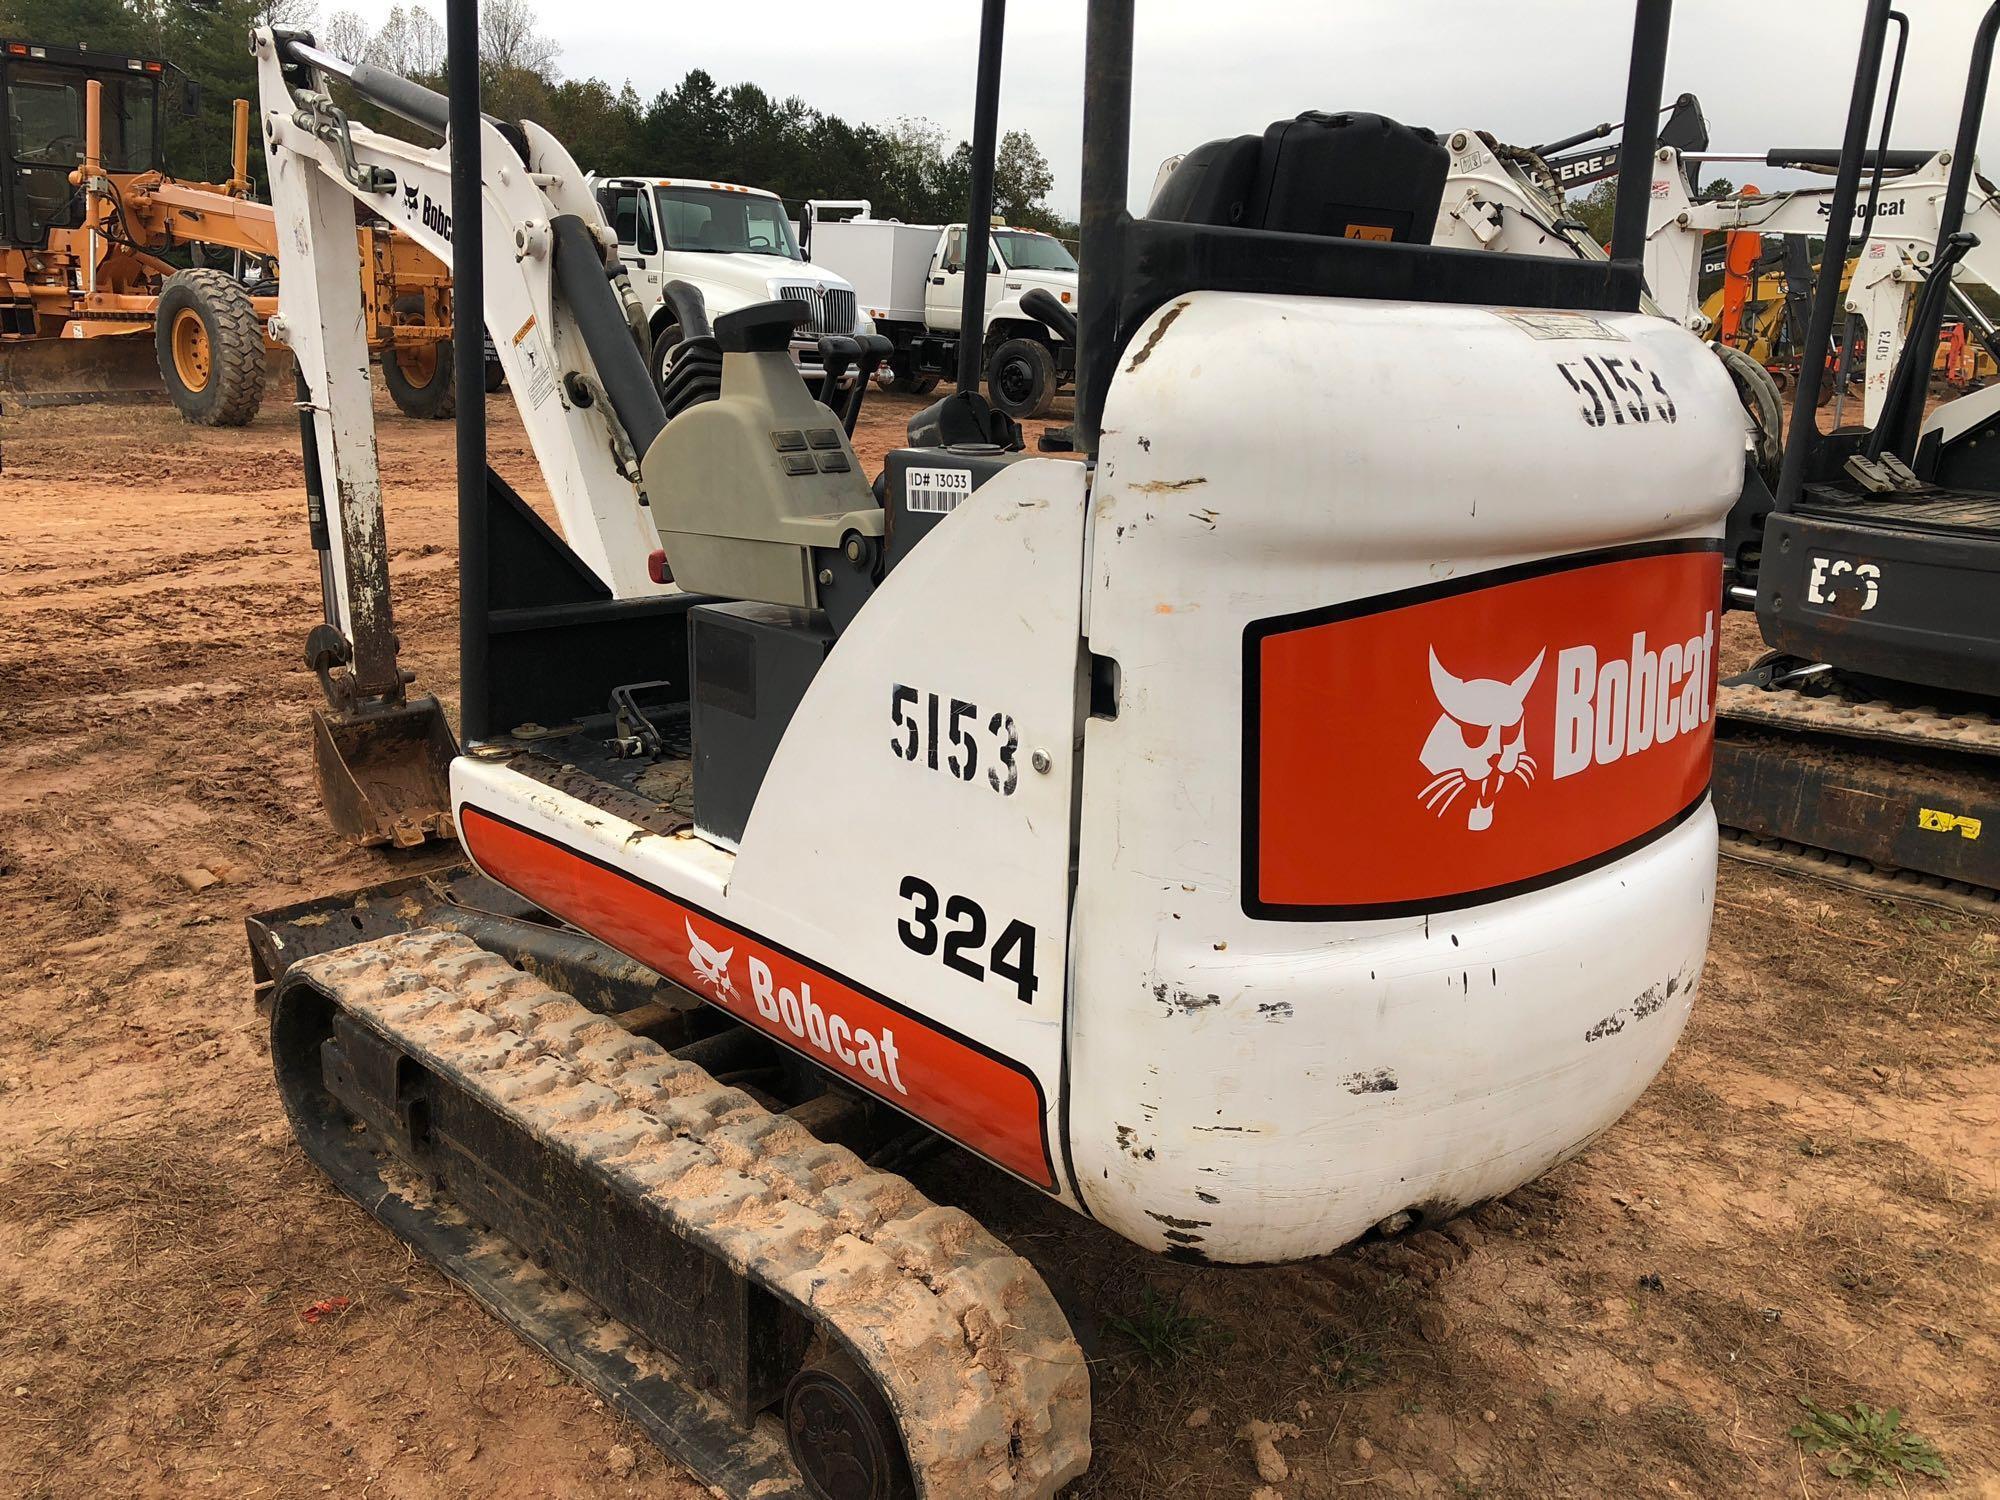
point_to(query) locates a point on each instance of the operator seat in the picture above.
(1348, 175)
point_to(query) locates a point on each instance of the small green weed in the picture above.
(1869, 1446)
(1161, 1331)
(1351, 1361)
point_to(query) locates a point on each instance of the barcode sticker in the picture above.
(937, 492)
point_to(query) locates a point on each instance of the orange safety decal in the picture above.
(985, 1102)
(1460, 742)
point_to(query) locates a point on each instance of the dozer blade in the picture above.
(73, 372)
(385, 776)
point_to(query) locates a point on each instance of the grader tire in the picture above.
(419, 376)
(210, 348)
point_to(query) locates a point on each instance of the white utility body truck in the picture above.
(727, 247)
(910, 280)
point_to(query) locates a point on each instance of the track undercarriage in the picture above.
(663, 1203)
(1887, 789)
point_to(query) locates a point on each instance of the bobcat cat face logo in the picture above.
(1478, 741)
(710, 965)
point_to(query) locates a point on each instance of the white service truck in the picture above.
(726, 247)
(911, 280)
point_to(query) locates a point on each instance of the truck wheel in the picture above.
(419, 376)
(1021, 378)
(210, 348)
(496, 376)
(663, 352)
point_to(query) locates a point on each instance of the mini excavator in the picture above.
(1284, 819)
(1864, 748)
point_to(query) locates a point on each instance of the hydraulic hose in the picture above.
(586, 291)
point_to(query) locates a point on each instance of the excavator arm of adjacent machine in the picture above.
(1892, 262)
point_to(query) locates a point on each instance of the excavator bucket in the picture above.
(72, 372)
(384, 775)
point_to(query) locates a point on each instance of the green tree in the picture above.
(1022, 180)
(909, 168)
(204, 39)
(1597, 206)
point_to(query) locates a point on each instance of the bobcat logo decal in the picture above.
(1567, 721)
(1478, 741)
(709, 964)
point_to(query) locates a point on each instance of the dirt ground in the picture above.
(1806, 1204)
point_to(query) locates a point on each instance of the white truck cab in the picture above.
(732, 245)
(911, 280)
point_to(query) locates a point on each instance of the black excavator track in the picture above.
(1893, 791)
(779, 1316)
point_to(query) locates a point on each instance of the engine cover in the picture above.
(1396, 859)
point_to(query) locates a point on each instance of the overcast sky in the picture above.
(1775, 73)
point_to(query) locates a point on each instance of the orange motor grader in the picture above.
(92, 307)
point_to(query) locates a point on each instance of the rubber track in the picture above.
(1836, 713)
(988, 1386)
(1851, 872)
(237, 357)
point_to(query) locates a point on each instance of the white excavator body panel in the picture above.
(897, 909)
(1356, 932)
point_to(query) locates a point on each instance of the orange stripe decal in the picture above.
(985, 1102)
